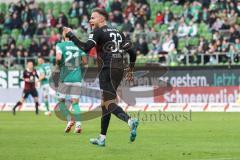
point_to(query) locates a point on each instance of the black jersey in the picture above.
(108, 42)
(111, 47)
(32, 77)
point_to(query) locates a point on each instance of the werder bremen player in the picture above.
(69, 58)
(44, 72)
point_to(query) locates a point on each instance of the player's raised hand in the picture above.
(66, 30)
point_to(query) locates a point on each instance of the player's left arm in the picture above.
(85, 46)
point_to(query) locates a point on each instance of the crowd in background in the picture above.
(157, 27)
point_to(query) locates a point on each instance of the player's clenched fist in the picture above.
(66, 30)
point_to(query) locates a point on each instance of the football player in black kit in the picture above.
(110, 44)
(29, 77)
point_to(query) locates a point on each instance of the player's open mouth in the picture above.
(91, 25)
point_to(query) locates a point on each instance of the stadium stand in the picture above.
(175, 33)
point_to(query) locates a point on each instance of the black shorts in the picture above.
(109, 80)
(33, 93)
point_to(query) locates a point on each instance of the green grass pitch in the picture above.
(208, 136)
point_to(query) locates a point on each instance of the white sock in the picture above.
(78, 124)
(102, 137)
(130, 122)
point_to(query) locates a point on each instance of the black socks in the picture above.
(106, 116)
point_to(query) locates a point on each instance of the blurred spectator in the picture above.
(238, 8)
(16, 21)
(141, 46)
(26, 54)
(44, 50)
(19, 59)
(174, 38)
(237, 45)
(116, 6)
(217, 25)
(2, 18)
(51, 21)
(13, 50)
(145, 10)
(130, 8)
(195, 10)
(53, 38)
(230, 53)
(11, 40)
(117, 17)
(21, 49)
(183, 29)
(85, 23)
(212, 19)
(216, 35)
(26, 32)
(138, 30)
(172, 57)
(204, 15)
(168, 45)
(8, 62)
(225, 45)
(8, 23)
(193, 29)
(127, 26)
(82, 10)
(73, 11)
(26, 14)
(167, 16)
(62, 20)
(212, 47)
(41, 22)
(218, 45)
(140, 20)
(234, 34)
(156, 47)
(33, 48)
(232, 17)
(159, 19)
(172, 24)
